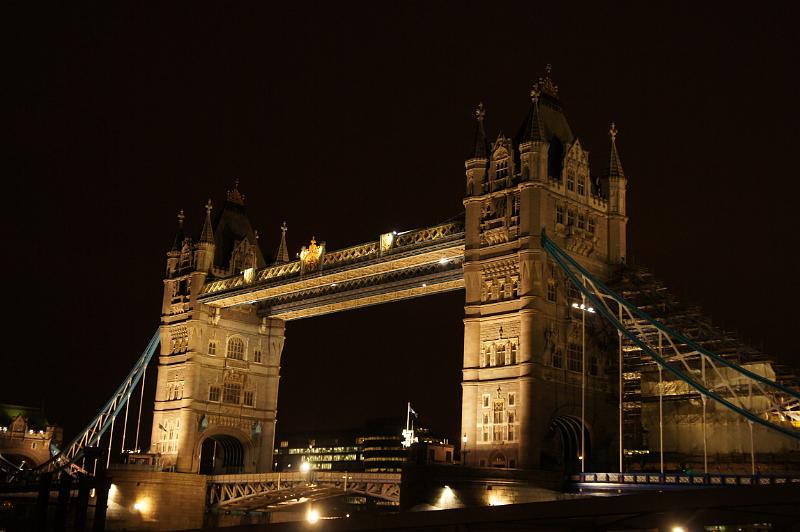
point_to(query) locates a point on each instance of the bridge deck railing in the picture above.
(401, 242)
(680, 479)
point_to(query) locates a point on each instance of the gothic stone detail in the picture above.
(519, 340)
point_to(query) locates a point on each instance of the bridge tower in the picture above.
(523, 347)
(217, 390)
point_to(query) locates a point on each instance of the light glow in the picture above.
(583, 307)
(444, 260)
(497, 500)
(142, 505)
(305, 467)
(312, 516)
(678, 529)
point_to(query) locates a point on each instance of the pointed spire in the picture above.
(208, 234)
(283, 251)
(534, 130)
(614, 164)
(480, 146)
(178, 242)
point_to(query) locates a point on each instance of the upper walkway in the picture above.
(397, 266)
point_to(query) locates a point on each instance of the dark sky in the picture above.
(348, 120)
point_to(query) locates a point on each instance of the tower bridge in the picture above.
(545, 385)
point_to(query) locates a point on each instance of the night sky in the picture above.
(350, 120)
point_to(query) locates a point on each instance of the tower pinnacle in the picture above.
(207, 234)
(614, 164)
(283, 252)
(480, 147)
(178, 241)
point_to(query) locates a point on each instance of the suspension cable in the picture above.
(560, 257)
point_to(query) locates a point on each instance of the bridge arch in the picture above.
(561, 447)
(224, 451)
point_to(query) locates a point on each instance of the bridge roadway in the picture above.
(397, 266)
(270, 491)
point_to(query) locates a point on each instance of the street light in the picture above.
(464, 450)
(584, 309)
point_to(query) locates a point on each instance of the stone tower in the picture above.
(523, 347)
(217, 391)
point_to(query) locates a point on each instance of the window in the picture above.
(511, 417)
(570, 181)
(511, 433)
(581, 185)
(574, 357)
(557, 362)
(485, 433)
(212, 348)
(486, 419)
(231, 393)
(501, 355)
(512, 354)
(257, 356)
(501, 169)
(168, 443)
(498, 433)
(486, 400)
(236, 348)
(573, 293)
(559, 214)
(175, 391)
(592, 225)
(213, 394)
(551, 290)
(499, 410)
(593, 365)
(582, 221)
(512, 400)
(484, 356)
(570, 217)
(249, 399)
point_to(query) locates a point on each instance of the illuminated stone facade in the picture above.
(522, 340)
(218, 367)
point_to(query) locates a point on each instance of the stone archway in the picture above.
(222, 454)
(497, 459)
(561, 448)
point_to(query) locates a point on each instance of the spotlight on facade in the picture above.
(444, 260)
(305, 467)
(142, 505)
(312, 516)
(424, 285)
(677, 528)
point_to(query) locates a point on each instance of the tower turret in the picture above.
(476, 164)
(283, 252)
(533, 146)
(204, 249)
(617, 218)
(173, 255)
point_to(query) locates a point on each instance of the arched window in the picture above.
(235, 349)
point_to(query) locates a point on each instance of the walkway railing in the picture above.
(643, 480)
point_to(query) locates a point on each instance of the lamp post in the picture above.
(584, 309)
(464, 449)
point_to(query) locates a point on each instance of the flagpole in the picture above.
(408, 415)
